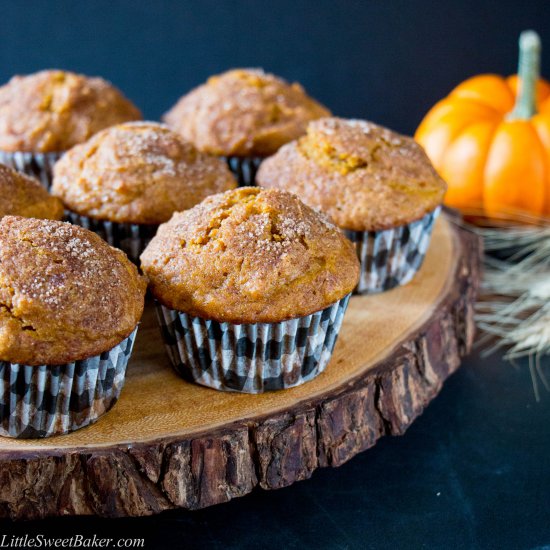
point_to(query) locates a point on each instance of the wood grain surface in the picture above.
(169, 443)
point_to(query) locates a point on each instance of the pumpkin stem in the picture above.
(528, 73)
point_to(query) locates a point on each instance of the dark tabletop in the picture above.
(472, 472)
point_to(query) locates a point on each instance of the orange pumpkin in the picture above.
(490, 139)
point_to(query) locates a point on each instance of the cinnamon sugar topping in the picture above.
(137, 173)
(364, 176)
(65, 293)
(250, 255)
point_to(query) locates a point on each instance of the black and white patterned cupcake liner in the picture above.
(251, 358)
(131, 238)
(37, 165)
(244, 169)
(47, 400)
(392, 257)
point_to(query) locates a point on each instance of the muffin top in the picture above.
(21, 195)
(138, 172)
(53, 110)
(250, 256)
(364, 176)
(65, 294)
(244, 112)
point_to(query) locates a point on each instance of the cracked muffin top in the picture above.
(50, 111)
(364, 176)
(65, 294)
(244, 112)
(250, 256)
(138, 172)
(21, 195)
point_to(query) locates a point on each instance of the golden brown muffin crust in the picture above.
(364, 176)
(250, 256)
(65, 294)
(244, 112)
(138, 172)
(50, 111)
(21, 195)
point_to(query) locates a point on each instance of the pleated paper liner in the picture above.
(131, 238)
(251, 358)
(37, 165)
(244, 169)
(47, 400)
(392, 257)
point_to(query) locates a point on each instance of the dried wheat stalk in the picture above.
(514, 309)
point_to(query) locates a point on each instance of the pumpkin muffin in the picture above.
(21, 195)
(376, 184)
(244, 115)
(127, 179)
(69, 309)
(255, 266)
(45, 113)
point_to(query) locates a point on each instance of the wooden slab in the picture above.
(168, 443)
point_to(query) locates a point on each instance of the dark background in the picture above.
(474, 470)
(386, 60)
